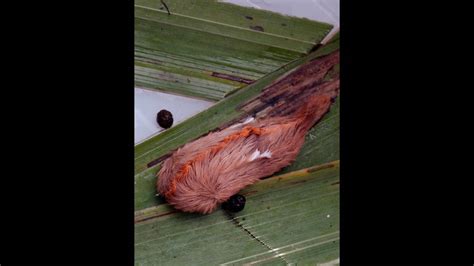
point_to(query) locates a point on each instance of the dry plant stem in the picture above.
(167, 9)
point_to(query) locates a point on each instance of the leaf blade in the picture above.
(206, 37)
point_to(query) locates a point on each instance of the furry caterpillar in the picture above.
(206, 172)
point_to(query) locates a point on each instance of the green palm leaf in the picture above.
(207, 49)
(291, 217)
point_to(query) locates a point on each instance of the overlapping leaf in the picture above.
(207, 49)
(291, 217)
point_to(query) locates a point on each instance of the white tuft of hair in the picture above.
(248, 120)
(254, 155)
(257, 154)
(266, 154)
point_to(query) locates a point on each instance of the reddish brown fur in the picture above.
(206, 172)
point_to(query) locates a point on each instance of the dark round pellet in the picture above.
(235, 203)
(164, 118)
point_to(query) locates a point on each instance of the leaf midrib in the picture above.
(218, 23)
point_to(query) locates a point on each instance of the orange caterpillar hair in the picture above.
(206, 172)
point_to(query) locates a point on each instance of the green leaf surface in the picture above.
(287, 219)
(321, 144)
(291, 217)
(208, 49)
